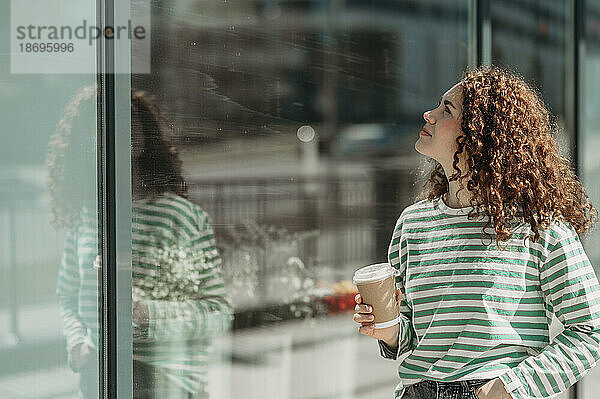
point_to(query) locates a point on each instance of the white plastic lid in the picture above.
(372, 273)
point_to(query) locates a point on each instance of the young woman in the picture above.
(483, 266)
(171, 338)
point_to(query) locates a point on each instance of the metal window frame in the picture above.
(114, 204)
(106, 207)
(578, 33)
(480, 33)
(578, 52)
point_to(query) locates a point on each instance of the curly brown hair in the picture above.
(72, 159)
(508, 135)
(158, 165)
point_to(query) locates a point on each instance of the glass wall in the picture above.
(272, 150)
(589, 139)
(535, 39)
(48, 243)
(295, 124)
(589, 134)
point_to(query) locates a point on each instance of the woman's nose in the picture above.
(428, 117)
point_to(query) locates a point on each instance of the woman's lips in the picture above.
(424, 133)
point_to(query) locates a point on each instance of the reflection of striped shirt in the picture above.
(472, 310)
(178, 337)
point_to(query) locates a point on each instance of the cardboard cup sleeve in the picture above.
(381, 295)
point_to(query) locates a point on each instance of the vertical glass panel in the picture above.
(589, 140)
(590, 134)
(534, 39)
(273, 150)
(48, 212)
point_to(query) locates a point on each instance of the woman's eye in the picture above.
(447, 110)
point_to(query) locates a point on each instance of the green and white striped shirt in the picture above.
(178, 337)
(472, 310)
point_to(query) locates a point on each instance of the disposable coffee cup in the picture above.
(377, 287)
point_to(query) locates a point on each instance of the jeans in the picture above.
(427, 389)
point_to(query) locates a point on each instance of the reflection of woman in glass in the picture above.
(179, 300)
(476, 314)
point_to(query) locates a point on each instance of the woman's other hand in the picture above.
(493, 389)
(140, 314)
(365, 318)
(79, 355)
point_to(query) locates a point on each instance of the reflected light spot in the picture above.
(305, 133)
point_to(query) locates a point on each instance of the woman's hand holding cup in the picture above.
(365, 318)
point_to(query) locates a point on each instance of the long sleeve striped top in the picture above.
(472, 310)
(178, 337)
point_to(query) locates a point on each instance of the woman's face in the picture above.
(443, 126)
